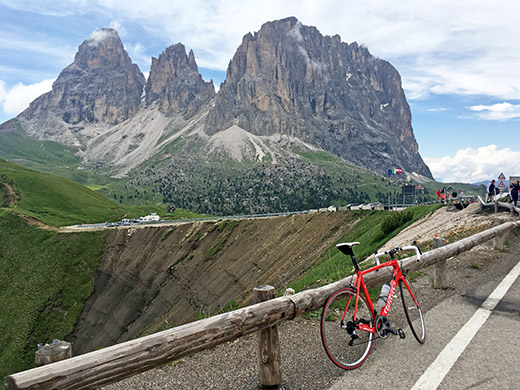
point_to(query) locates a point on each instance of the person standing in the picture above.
(491, 191)
(515, 188)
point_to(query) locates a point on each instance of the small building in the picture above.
(153, 217)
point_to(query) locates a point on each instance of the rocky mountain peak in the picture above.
(103, 48)
(289, 79)
(101, 85)
(175, 83)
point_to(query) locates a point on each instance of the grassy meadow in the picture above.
(45, 278)
(57, 201)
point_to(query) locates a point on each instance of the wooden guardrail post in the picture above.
(498, 241)
(440, 276)
(268, 345)
(50, 353)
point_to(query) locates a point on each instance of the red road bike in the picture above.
(350, 322)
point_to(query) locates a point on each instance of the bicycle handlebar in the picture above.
(392, 252)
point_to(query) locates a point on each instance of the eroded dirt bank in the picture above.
(155, 278)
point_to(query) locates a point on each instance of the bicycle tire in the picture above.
(336, 339)
(412, 309)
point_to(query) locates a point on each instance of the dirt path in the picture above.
(35, 222)
(12, 196)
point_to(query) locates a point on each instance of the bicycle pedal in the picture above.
(401, 333)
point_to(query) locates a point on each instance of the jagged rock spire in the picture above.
(101, 85)
(175, 83)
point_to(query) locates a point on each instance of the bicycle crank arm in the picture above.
(383, 328)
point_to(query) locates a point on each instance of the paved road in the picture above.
(491, 359)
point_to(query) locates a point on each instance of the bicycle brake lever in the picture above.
(417, 246)
(419, 253)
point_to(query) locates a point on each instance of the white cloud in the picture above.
(118, 27)
(16, 99)
(497, 112)
(439, 47)
(137, 53)
(13, 43)
(472, 166)
(98, 36)
(3, 91)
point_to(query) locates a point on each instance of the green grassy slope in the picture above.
(57, 201)
(45, 279)
(44, 156)
(368, 230)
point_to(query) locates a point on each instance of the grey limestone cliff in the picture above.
(176, 84)
(289, 79)
(101, 85)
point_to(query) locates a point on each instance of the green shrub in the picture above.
(396, 220)
(166, 234)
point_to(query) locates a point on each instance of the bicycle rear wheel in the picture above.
(345, 344)
(412, 309)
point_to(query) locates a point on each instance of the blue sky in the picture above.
(459, 61)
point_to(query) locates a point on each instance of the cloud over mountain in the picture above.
(472, 166)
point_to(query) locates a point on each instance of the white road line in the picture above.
(435, 374)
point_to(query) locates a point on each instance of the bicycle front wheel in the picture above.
(412, 309)
(345, 344)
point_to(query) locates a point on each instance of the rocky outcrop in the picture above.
(289, 79)
(175, 83)
(101, 85)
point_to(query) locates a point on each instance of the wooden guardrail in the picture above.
(496, 204)
(112, 364)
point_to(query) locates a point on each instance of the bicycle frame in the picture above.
(360, 286)
(348, 333)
